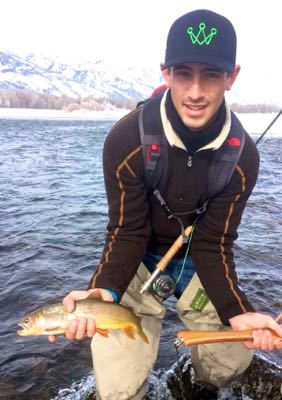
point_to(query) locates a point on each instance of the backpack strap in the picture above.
(226, 159)
(155, 152)
(154, 142)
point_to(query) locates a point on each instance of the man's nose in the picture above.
(196, 89)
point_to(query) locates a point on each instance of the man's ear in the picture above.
(232, 77)
(166, 76)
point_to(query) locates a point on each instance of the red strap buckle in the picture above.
(234, 141)
(152, 148)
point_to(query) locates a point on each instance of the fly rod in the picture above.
(161, 265)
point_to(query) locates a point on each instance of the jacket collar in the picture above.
(174, 140)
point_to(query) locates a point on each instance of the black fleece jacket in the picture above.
(137, 223)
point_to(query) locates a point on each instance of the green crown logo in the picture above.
(201, 37)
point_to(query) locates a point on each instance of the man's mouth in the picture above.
(197, 107)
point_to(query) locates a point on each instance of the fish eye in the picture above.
(26, 321)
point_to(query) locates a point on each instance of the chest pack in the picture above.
(155, 153)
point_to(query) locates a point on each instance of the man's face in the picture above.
(197, 91)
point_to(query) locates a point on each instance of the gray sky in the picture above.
(134, 32)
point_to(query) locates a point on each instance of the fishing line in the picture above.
(165, 284)
(186, 254)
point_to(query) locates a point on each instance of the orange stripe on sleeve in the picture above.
(222, 241)
(123, 164)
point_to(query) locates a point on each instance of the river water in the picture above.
(53, 215)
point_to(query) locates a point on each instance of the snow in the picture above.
(257, 123)
(29, 113)
(99, 79)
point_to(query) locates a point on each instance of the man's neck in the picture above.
(194, 140)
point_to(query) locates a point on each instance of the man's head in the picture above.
(200, 65)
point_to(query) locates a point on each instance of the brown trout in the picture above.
(54, 319)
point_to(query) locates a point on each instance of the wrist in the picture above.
(104, 294)
(114, 294)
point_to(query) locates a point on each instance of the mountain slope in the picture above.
(54, 76)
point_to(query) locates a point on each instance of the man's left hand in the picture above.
(260, 323)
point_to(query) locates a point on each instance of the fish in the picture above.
(54, 319)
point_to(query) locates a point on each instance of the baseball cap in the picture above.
(201, 36)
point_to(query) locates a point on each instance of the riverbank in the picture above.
(254, 123)
(109, 114)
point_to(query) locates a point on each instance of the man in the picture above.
(198, 69)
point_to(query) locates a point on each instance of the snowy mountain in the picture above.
(100, 78)
(54, 76)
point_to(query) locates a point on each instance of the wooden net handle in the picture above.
(189, 338)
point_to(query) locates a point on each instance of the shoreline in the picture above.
(31, 113)
(254, 123)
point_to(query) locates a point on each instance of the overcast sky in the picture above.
(134, 32)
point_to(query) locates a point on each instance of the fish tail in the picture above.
(143, 335)
(140, 331)
(128, 332)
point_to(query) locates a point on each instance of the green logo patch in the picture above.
(200, 300)
(201, 37)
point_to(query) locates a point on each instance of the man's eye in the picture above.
(182, 73)
(212, 75)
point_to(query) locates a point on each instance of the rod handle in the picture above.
(161, 265)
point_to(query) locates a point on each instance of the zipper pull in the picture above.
(189, 161)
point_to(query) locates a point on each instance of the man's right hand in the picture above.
(78, 328)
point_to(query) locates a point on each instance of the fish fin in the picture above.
(143, 336)
(129, 333)
(103, 332)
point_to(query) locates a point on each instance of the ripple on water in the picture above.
(53, 224)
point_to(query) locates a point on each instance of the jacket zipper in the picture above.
(189, 161)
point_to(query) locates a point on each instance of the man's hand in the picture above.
(260, 323)
(78, 328)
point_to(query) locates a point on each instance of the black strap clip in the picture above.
(202, 209)
(170, 214)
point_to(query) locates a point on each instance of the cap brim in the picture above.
(214, 61)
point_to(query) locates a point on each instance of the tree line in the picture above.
(26, 98)
(254, 108)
